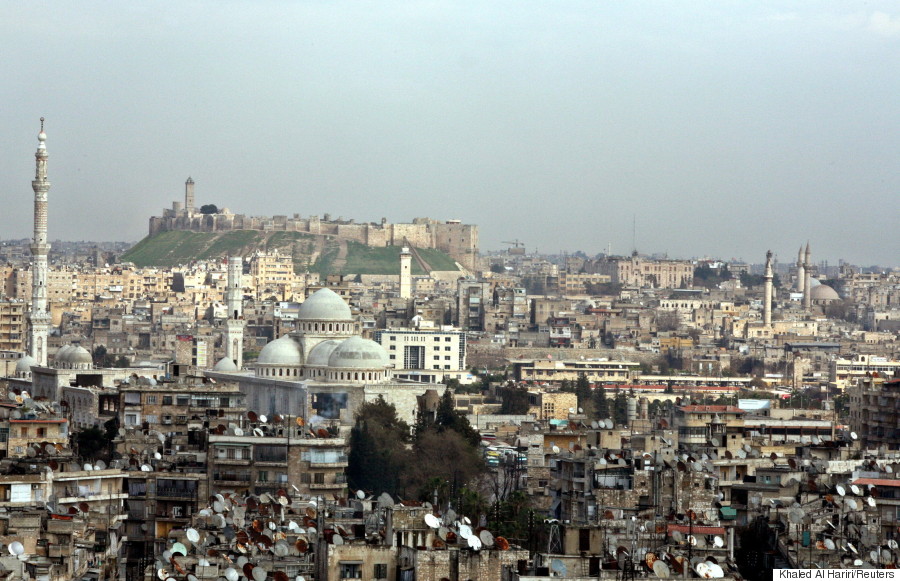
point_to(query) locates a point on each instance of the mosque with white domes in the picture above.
(322, 369)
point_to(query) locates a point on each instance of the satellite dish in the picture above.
(251, 415)
(192, 535)
(231, 574)
(855, 489)
(361, 494)
(146, 468)
(474, 542)
(829, 544)
(718, 542)
(558, 567)
(714, 442)
(851, 504)
(840, 490)
(702, 570)
(238, 432)
(487, 539)
(853, 436)
(555, 449)
(660, 569)
(871, 501)
(179, 549)
(465, 531)
(677, 536)
(16, 548)
(432, 521)
(263, 419)
(608, 424)
(595, 425)
(157, 456)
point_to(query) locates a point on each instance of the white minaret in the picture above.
(234, 325)
(807, 284)
(189, 196)
(801, 271)
(768, 276)
(39, 317)
(405, 273)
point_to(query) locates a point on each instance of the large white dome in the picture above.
(321, 353)
(80, 356)
(25, 364)
(62, 354)
(225, 365)
(358, 353)
(281, 352)
(324, 305)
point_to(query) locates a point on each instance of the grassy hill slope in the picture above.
(317, 253)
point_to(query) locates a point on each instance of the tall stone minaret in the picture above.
(39, 317)
(807, 284)
(189, 207)
(405, 273)
(234, 325)
(768, 276)
(801, 271)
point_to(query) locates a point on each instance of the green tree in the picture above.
(601, 403)
(585, 397)
(620, 407)
(92, 443)
(514, 400)
(209, 209)
(447, 418)
(378, 452)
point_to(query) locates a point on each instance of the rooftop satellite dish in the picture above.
(715, 570)
(660, 569)
(595, 425)
(677, 536)
(853, 436)
(431, 520)
(742, 454)
(146, 468)
(840, 490)
(829, 544)
(238, 432)
(157, 456)
(608, 424)
(855, 490)
(851, 504)
(871, 501)
(257, 432)
(179, 549)
(465, 531)
(361, 494)
(337, 539)
(263, 419)
(555, 449)
(16, 548)
(99, 465)
(474, 542)
(714, 442)
(718, 542)
(558, 567)
(702, 570)
(231, 574)
(487, 539)
(795, 515)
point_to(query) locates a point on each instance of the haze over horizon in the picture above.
(726, 129)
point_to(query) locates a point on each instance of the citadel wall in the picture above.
(458, 240)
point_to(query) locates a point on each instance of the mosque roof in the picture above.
(823, 292)
(324, 305)
(25, 363)
(283, 352)
(225, 365)
(358, 353)
(321, 353)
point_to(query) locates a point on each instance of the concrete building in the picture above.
(425, 355)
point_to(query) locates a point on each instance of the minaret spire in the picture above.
(767, 304)
(234, 324)
(39, 317)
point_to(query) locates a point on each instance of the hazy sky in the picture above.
(726, 128)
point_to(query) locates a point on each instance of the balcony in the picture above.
(327, 485)
(232, 478)
(233, 461)
(175, 492)
(331, 461)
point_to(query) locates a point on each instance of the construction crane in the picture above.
(518, 246)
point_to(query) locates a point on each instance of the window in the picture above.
(23, 432)
(304, 478)
(131, 419)
(181, 419)
(263, 476)
(183, 400)
(380, 571)
(167, 400)
(447, 348)
(151, 399)
(319, 478)
(351, 570)
(446, 358)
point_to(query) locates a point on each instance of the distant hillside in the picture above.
(318, 253)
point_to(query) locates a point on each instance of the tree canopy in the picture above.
(209, 209)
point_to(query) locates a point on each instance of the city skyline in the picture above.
(738, 128)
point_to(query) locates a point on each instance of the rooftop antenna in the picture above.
(634, 233)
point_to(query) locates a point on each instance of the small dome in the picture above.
(25, 364)
(225, 365)
(324, 305)
(321, 353)
(281, 352)
(358, 353)
(62, 354)
(80, 355)
(823, 292)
